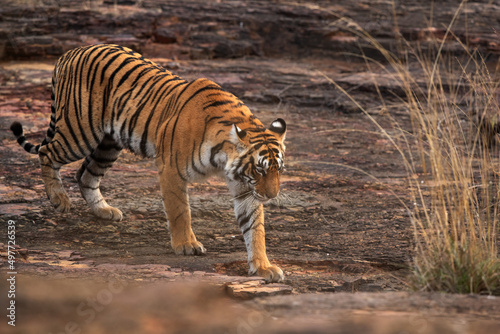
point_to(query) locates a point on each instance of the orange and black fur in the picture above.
(106, 98)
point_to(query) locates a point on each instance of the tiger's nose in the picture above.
(271, 192)
(272, 188)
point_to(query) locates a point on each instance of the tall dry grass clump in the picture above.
(456, 229)
(453, 171)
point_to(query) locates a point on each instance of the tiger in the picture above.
(106, 98)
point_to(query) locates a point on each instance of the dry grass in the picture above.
(455, 212)
(456, 230)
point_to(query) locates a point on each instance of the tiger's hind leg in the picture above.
(90, 174)
(51, 164)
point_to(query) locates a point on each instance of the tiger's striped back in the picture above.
(108, 89)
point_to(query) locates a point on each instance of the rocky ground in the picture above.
(339, 230)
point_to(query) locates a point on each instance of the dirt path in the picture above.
(326, 227)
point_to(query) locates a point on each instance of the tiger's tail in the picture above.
(17, 128)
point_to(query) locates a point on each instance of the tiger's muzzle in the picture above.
(268, 187)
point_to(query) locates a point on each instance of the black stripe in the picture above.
(64, 110)
(86, 161)
(109, 84)
(233, 121)
(141, 75)
(55, 152)
(180, 215)
(250, 164)
(103, 160)
(213, 118)
(98, 201)
(151, 113)
(181, 199)
(105, 95)
(67, 120)
(87, 187)
(131, 127)
(90, 88)
(41, 154)
(167, 107)
(217, 104)
(110, 146)
(118, 108)
(247, 229)
(208, 87)
(68, 146)
(122, 134)
(253, 226)
(193, 165)
(164, 115)
(28, 147)
(216, 149)
(129, 72)
(150, 91)
(208, 119)
(142, 103)
(257, 146)
(88, 53)
(183, 178)
(217, 94)
(78, 106)
(104, 166)
(95, 174)
(146, 98)
(78, 84)
(245, 219)
(262, 136)
(93, 68)
(147, 84)
(109, 62)
(118, 69)
(240, 163)
(108, 143)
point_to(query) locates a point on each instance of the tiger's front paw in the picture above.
(189, 248)
(108, 212)
(270, 273)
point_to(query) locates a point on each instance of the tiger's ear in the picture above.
(278, 127)
(237, 135)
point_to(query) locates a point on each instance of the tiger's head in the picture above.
(261, 158)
